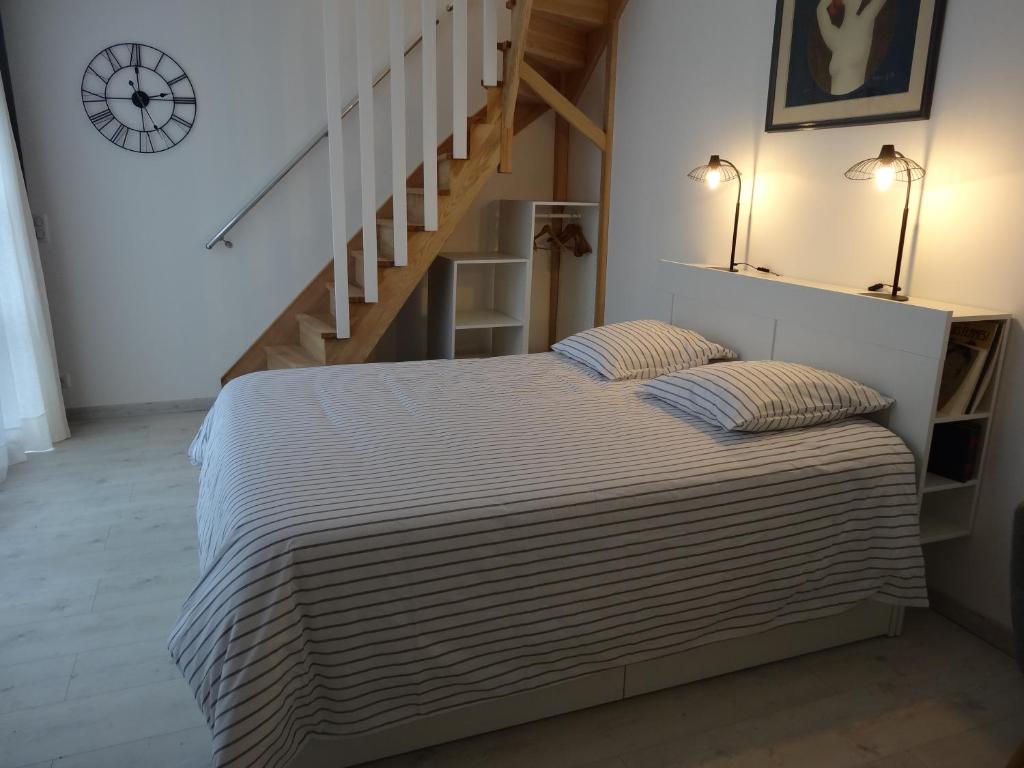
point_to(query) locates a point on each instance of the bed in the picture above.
(396, 555)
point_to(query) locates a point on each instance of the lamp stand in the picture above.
(736, 218)
(895, 295)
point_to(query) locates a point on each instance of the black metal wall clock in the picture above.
(138, 98)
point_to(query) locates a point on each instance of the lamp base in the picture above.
(889, 296)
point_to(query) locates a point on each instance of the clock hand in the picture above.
(155, 128)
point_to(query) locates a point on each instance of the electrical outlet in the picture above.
(42, 225)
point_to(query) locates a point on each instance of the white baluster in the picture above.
(428, 23)
(398, 187)
(460, 81)
(367, 164)
(490, 44)
(332, 49)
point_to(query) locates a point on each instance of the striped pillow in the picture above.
(640, 349)
(765, 396)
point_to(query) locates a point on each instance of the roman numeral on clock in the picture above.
(101, 77)
(184, 100)
(178, 79)
(112, 60)
(102, 119)
(181, 121)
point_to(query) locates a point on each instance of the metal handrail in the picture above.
(220, 237)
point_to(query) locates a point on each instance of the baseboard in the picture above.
(104, 412)
(989, 630)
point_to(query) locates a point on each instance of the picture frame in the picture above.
(888, 56)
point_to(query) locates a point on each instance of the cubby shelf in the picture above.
(934, 530)
(513, 299)
(466, 319)
(961, 417)
(934, 483)
(478, 305)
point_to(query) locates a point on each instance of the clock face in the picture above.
(138, 98)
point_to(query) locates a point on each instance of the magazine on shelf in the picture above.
(970, 346)
(988, 373)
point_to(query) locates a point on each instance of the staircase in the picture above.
(554, 47)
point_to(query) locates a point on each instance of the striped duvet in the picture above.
(382, 542)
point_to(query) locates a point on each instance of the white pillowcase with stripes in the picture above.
(765, 396)
(640, 349)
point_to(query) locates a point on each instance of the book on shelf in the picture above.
(967, 370)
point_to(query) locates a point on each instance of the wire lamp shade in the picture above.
(726, 170)
(904, 169)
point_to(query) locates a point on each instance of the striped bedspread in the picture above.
(382, 542)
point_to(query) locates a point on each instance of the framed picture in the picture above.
(852, 62)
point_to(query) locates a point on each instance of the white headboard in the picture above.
(898, 348)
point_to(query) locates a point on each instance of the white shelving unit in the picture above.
(478, 305)
(948, 506)
(489, 304)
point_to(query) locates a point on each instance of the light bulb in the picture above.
(885, 175)
(713, 179)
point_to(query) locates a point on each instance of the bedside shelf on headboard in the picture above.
(899, 348)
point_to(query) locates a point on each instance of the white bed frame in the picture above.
(897, 348)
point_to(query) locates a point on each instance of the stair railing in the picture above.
(230, 224)
(426, 203)
(334, 131)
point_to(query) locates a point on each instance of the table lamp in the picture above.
(888, 167)
(714, 173)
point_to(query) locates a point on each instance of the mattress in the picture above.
(383, 542)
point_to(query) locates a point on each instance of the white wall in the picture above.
(693, 80)
(141, 311)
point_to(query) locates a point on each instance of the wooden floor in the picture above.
(97, 552)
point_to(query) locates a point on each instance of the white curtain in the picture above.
(31, 408)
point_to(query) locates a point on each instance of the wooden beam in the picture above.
(559, 191)
(604, 212)
(521, 11)
(563, 106)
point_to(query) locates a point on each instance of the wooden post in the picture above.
(611, 61)
(521, 10)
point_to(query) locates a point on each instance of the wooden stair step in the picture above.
(321, 325)
(318, 335)
(280, 357)
(589, 14)
(555, 44)
(355, 295)
(420, 192)
(356, 257)
(390, 225)
(415, 196)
